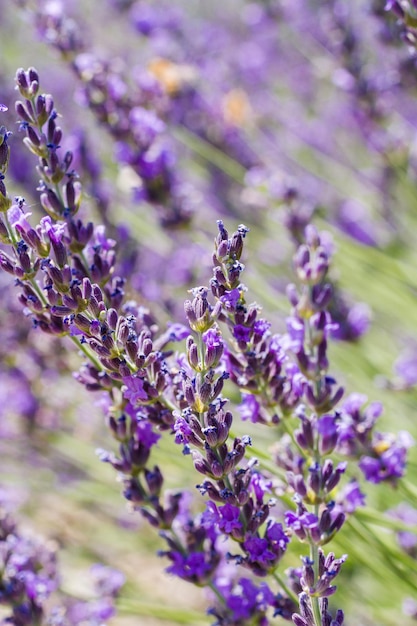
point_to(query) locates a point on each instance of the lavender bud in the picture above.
(33, 136)
(298, 620)
(22, 82)
(292, 294)
(189, 392)
(325, 521)
(6, 263)
(192, 354)
(200, 463)
(300, 486)
(154, 480)
(112, 318)
(321, 295)
(338, 523)
(326, 470)
(82, 322)
(219, 276)
(4, 235)
(23, 113)
(205, 392)
(305, 609)
(308, 573)
(312, 236)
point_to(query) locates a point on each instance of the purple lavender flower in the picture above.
(134, 391)
(227, 517)
(247, 601)
(263, 553)
(230, 299)
(406, 539)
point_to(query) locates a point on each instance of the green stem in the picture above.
(94, 360)
(408, 490)
(10, 230)
(290, 433)
(212, 154)
(285, 588)
(380, 519)
(39, 292)
(393, 562)
(216, 592)
(314, 556)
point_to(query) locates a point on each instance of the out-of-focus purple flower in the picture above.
(351, 497)
(354, 222)
(410, 608)
(352, 321)
(151, 20)
(407, 539)
(107, 580)
(390, 458)
(249, 408)
(145, 125)
(295, 328)
(178, 332)
(406, 368)
(94, 613)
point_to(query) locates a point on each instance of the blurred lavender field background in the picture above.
(273, 114)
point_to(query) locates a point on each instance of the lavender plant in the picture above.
(30, 582)
(257, 509)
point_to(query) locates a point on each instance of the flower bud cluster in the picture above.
(65, 270)
(196, 557)
(5, 201)
(43, 138)
(256, 360)
(405, 12)
(236, 507)
(299, 387)
(306, 617)
(129, 111)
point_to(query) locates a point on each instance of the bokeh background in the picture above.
(274, 113)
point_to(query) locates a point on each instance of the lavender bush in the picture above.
(243, 436)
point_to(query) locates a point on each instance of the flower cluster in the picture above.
(151, 390)
(30, 581)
